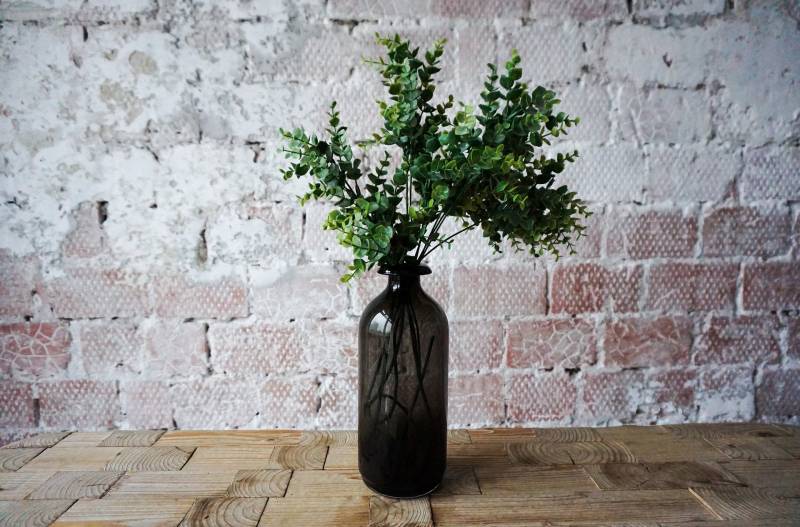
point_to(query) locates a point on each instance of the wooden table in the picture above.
(690, 475)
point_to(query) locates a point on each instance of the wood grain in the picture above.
(225, 512)
(14, 458)
(129, 510)
(745, 503)
(259, 483)
(44, 440)
(311, 511)
(227, 438)
(559, 453)
(599, 507)
(655, 476)
(132, 438)
(300, 457)
(82, 459)
(389, 512)
(75, 485)
(31, 513)
(699, 476)
(149, 459)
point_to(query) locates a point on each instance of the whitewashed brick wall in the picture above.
(156, 272)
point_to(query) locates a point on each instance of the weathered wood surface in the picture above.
(692, 475)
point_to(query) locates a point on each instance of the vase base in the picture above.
(406, 497)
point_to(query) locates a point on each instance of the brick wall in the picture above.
(155, 271)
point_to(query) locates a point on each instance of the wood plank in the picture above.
(150, 459)
(82, 439)
(259, 483)
(229, 438)
(300, 457)
(329, 438)
(500, 435)
(206, 458)
(73, 458)
(327, 483)
(15, 458)
(459, 481)
(748, 447)
(600, 507)
(634, 433)
(567, 435)
(132, 438)
(656, 476)
(173, 484)
(585, 453)
(17, 485)
(725, 430)
(389, 512)
(75, 485)
(746, 503)
(665, 449)
(790, 444)
(767, 473)
(311, 511)
(533, 480)
(44, 440)
(133, 511)
(477, 454)
(341, 457)
(225, 512)
(31, 513)
(460, 437)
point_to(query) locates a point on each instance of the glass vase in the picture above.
(402, 390)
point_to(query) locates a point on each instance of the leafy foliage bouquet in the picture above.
(485, 169)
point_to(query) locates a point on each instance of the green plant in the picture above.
(485, 169)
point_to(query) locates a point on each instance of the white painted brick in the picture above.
(663, 115)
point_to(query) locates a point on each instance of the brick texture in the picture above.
(157, 272)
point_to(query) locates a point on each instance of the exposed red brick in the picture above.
(18, 278)
(611, 396)
(560, 343)
(147, 404)
(489, 291)
(174, 348)
(216, 402)
(646, 342)
(91, 293)
(476, 345)
(793, 340)
(726, 394)
(692, 286)
(771, 173)
(771, 286)
(178, 296)
(110, 347)
(32, 350)
(305, 292)
(746, 231)
(778, 395)
(339, 402)
(670, 395)
(549, 397)
(651, 234)
(731, 340)
(589, 287)
(257, 348)
(475, 399)
(288, 403)
(86, 238)
(16, 400)
(581, 10)
(83, 404)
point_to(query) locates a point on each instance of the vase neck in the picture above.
(403, 283)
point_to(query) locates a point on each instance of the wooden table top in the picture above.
(689, 475)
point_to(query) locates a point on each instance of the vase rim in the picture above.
(404, 270)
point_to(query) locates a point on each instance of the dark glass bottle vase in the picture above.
(402, 388)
